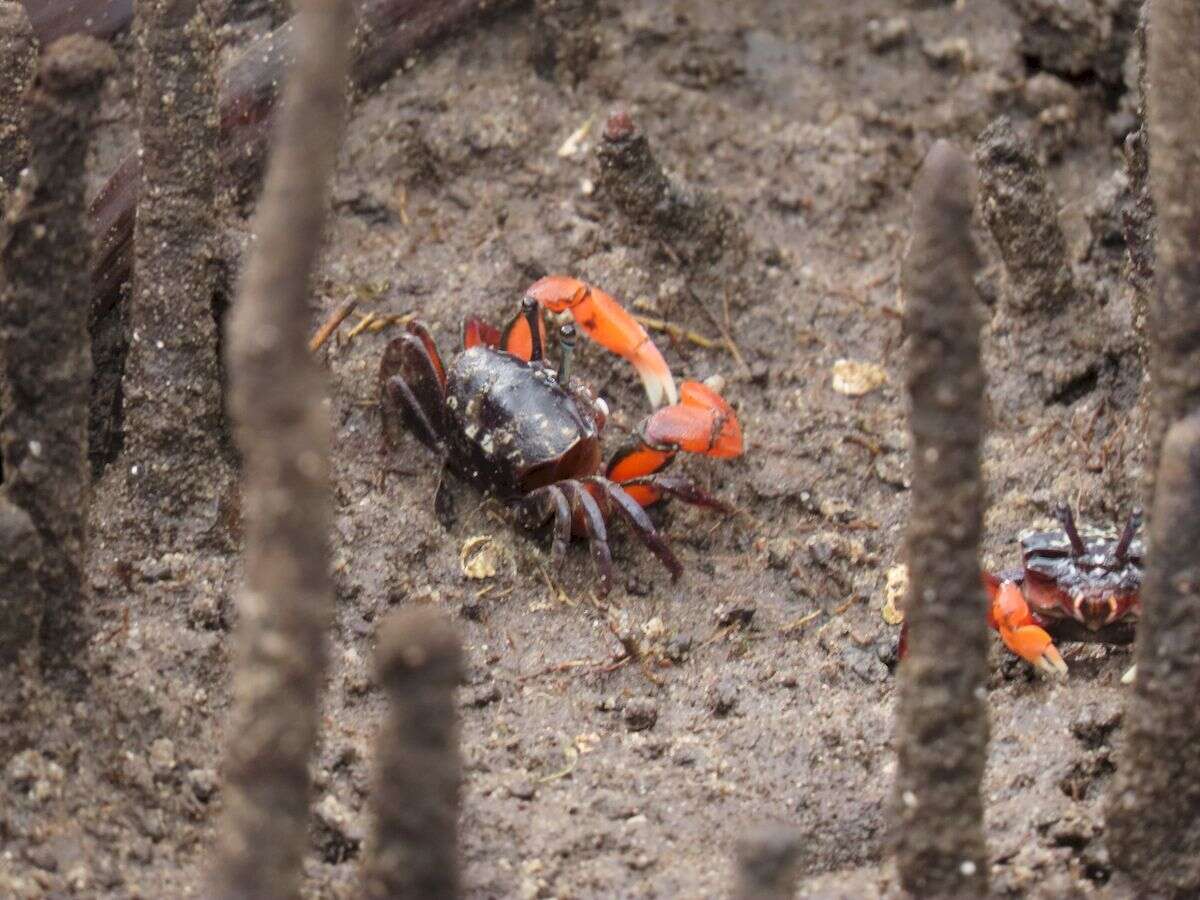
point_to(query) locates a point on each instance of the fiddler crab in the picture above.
(1074, 585)
(504, 420)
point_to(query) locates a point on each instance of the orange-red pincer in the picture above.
(702, 422)
(610, 325)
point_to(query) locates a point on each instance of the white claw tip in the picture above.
(1131, 676)
(1052, 666)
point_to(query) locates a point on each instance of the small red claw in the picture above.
(1010, 616)
(475, 331)
(606, 322)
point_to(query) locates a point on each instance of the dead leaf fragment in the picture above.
(856, 379)
(893, 603)
(480, 557)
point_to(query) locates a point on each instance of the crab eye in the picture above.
(601, 412)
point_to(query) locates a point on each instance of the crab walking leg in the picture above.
(1011, 617)
(400, 397)
(593, 523)
(633, 513)
(678, 486)
(607, 323)
(537, 506)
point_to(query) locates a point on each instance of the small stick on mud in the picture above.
(173, 408)
(1020, 208)
(276, 392)
(415, 848)
(44, 248)
(1153, 828)
(767, 864)
(336, 318)
(18, 59)
(1173, 317)
(696, 225)
(942, 728)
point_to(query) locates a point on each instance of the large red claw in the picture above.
(1010, 616)
(607, 323)
(702, 422)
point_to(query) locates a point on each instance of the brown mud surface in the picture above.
(767, 690)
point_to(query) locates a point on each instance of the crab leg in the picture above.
(679, 487)
(701, 422)
(1009, 615)
(412, 381)
(593, 523)
(606, 322)
(639, 522)
(537, 506)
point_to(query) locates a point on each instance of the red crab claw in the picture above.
(701, 422)
(1009, 614)
(607, 323)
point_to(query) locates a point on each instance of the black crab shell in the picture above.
(1048, 554)
(512, 427)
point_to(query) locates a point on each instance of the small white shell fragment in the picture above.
(856, 379)
(480, 557)
(893, 603)
(571, 145)
(1131, 676)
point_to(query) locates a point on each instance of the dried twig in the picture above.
(276, 389)
(942, 726)
(680, 333)
(331, 324)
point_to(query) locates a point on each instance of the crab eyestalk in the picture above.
(1067, 519)
(1127, 536)
(606, 322)
(566, 346)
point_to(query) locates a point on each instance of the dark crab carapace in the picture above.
(502, 419)
(1074, 584)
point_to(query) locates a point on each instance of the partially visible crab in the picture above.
(502, 418)
(1074, 585)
